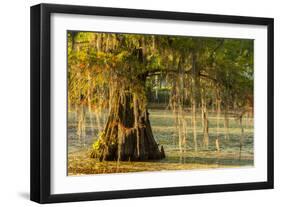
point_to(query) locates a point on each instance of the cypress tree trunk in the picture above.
(127, 134)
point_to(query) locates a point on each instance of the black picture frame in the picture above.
(41, 96)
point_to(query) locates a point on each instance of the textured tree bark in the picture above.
(127, 135)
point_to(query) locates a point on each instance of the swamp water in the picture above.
(165, 134)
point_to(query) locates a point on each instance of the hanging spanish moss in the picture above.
(157, 102)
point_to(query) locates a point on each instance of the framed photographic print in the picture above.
(133, 103)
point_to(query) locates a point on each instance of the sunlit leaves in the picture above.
(97, 60)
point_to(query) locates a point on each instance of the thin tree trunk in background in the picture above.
(182, 130)
(241, 136)
(205, 123)
(107, 42)
(173, 105)
(194, 124)
(181, 109)
(98, 117)
(156, 89)
(136, 124)
(248, 118)
(193, 101)
(218, 103)
(202, 111)
(180, 134)
(89, 99)
(81, 130)
(184, 133)
(179, 113)
(226, 123)
(176, 122)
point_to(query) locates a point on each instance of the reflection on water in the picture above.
(165, 133)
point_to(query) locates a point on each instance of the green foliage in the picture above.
(98, 143)
(98, 62)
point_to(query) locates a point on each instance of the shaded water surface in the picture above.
(165, 133)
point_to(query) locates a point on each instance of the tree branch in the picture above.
(208, 77)
(158, 71)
